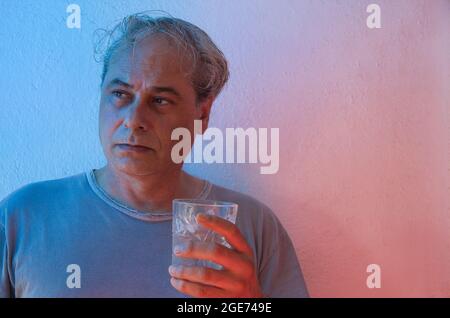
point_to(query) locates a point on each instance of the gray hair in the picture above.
(209, 71)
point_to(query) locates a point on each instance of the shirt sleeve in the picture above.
(280, 274)
(5, 286)
(5, 282)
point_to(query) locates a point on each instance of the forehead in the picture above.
(154, 59)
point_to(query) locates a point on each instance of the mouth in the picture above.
(133, 148)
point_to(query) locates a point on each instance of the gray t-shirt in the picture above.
(120, 252)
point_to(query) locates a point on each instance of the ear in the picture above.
(204, 109)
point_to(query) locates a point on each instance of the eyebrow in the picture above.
(119, 82)
(166, 89)
(158, 89)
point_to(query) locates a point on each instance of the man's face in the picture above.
(146, 94)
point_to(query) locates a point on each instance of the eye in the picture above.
(119, 94)
(161, 101)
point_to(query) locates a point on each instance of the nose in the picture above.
(137, 117)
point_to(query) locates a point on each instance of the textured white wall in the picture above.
(363, 115)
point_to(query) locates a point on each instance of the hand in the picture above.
(238, 277)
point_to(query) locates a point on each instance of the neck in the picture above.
(153, 192)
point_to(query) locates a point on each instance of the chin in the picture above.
(132, 167)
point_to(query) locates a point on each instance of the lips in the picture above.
(133, 147)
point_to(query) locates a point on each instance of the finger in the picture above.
(210, 251)
(197, 290)
(228, 230)
(206, 276)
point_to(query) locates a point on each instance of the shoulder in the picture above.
(244, 201)
(252, 213)
(37, 194)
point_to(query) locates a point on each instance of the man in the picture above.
(107, 232)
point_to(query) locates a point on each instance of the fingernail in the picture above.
(172, 269)
(175, 282)
(179, 249)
